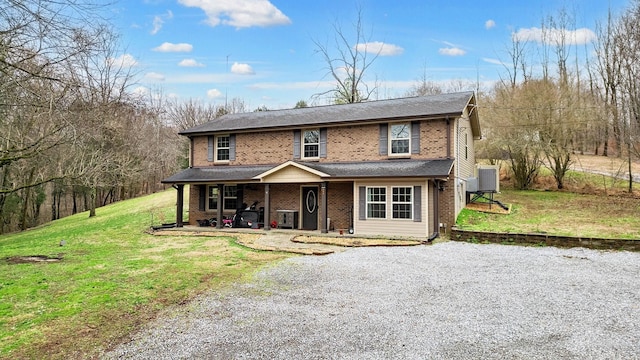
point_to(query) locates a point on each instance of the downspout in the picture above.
(448, 138)
(436, 211)
(190, 151)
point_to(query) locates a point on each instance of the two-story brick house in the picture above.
(392, 167)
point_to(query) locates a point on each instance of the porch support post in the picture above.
(179, 205)
(323, 208)
(267, 205)
(220, 206)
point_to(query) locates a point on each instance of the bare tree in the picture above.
(347, 63)
(629, 51)
(36, 39)
(190, 113)
(518, 61)
(424, 86)
(608, 67)
(101, 103)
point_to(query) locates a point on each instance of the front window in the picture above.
(401, 202)
(376, 202)
(311, 143)
(222, 148)
(229, 199)
(400, 137)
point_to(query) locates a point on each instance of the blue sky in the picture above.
(263, 51)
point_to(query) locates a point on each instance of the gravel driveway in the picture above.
(446, 301)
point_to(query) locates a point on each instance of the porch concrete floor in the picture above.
(288, 240)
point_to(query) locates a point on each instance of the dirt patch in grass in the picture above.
(281, 247)
(238, 235)
(488, 208)
(33, 259)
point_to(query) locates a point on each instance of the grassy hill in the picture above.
(108, 278)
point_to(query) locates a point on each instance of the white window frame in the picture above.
(376, 202)
(212, 190)
(217, 148)
(304, 144)
(392, 139)
(395, 202)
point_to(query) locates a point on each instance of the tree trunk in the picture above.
(629, 160)
(92, 201)
(25, 202)
(605, 148)
(54, 214)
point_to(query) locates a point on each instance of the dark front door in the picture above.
(310, 208)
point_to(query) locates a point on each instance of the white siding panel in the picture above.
(465, 159)
(393, 227)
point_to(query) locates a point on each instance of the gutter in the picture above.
(448, 138)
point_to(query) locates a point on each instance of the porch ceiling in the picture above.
(315, 171)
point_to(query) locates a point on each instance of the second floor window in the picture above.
(311, 143)
(400, 136)
(222, 148)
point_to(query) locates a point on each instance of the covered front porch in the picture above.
(318, 197)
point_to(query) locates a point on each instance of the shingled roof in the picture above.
(442, 105)
(439, 168)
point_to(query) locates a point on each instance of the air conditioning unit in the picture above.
(472, 184)
(488, 178)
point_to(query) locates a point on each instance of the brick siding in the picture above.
(344, 143)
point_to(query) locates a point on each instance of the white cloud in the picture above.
(381, 48)
(451, 51)
(170, 47)
(296, 86)
(555, 36)
(489, 24)
(190, 63)
(124, 60)
(158, 21)
(214, 94)
(242, 69)
(154, 76)
(239, 13)
(141, 91)
(492, 61)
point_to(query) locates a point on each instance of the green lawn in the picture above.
(112, 277)
(560, 213)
